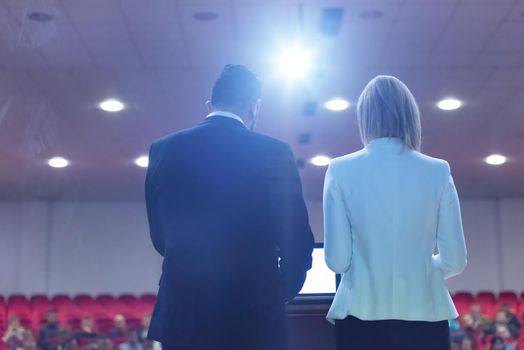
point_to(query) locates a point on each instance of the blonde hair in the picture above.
(386, 108)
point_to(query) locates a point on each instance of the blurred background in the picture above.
(86, 86)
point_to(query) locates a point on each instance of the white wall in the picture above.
(104, 247)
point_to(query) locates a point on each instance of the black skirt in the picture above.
(355, 334)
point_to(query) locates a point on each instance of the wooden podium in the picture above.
(308, 327)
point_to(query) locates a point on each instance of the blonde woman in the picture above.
(386, 208)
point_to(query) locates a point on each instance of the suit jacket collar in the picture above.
(386, 143)
(222, 120)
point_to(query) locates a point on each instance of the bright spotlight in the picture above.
(58, 162)
(295, 63)
(111, 105)
(449, 104)
(495, 159)
(142, 161)
(337, 104)
(320, 160)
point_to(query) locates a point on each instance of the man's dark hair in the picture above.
(236, 87)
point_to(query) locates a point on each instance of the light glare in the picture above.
(495, 159)
(111, 105)
(449, 104)
(337, 104)
(58, 162)
(142, 161)
(320, 160)
(295, 63)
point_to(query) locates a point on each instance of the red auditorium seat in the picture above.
(520, 313)
(60, 299)
(128, 299)
(17, 299)
(39, 304)
(148, 299)
(487, 302)
(463, 301)
(510, 299)
(105, 299)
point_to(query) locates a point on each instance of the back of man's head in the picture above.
(236, 88)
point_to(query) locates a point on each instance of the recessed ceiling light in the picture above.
(41, 17)
(58, 162)
(111, 105)
(495, 159)
(371, 14)
(142, 161)
(205, 16)
(337, 104)
(449, 104)
(320, 160)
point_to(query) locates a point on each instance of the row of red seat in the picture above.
(33, 311)
(489, 302)
(104, 307)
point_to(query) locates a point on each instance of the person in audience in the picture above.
(480, 321)
(28, 341)
(501, 323)
(467, 344)
(498, 343)
(13, 336)
(86, 334)
(49, 336)
(119, 329)
(514, 324)
(142, 335)
(142, 331)
(70, 344)
(104, 343)
(472, 330)
(503, 332)
(132, 341)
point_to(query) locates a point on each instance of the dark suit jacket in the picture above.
(225, 206)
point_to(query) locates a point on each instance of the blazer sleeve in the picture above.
(290, 221)
(155, 231)
(452, 256)
(338, 243)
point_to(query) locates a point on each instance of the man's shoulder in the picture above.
(268, 142)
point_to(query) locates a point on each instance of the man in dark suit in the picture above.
(226, 212)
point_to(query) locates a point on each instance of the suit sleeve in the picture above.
(338, 244)
(452, 256)
(294, 237)
(155, 232)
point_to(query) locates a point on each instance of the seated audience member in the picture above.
(86, 335)
(498, 343)
(117, 334)
(142, 331)
(13, 336)
(132, 341)
(501, 321)
(49, 337)
(480, 321)
(514, 324)
(104, 343)
(142, 335)
(70, 344)
(472, 330)
(467, 344)
(28, 341)
(503, 332)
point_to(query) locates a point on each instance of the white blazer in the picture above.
(386, 207)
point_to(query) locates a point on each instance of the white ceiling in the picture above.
(161, 62)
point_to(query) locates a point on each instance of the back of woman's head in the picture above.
(386, 108)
